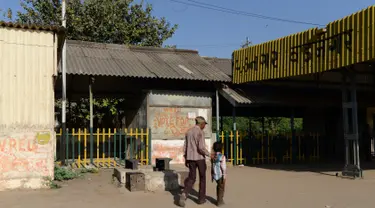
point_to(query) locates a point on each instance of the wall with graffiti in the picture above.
(170, 115)
(171, 149)
(27, 103)
(26, 159)
(172, 123)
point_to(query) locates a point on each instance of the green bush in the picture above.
(50, 183)
(63, 174)
(89, 170)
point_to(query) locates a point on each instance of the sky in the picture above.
(218, 34)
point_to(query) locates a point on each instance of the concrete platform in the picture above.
(155, 180)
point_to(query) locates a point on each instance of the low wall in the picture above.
(171, 149)
(26, 159)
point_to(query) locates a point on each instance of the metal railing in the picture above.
(110, 147)
(242, 148)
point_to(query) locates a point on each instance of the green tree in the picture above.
(170, 46)
(276, 125)
(106, 21)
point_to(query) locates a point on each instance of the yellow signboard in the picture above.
(342, 43)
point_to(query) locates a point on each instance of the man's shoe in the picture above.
(201, 202)
(181, 201)
(220, 203)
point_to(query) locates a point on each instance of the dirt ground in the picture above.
(246, 187)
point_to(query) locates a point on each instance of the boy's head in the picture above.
(218, 147)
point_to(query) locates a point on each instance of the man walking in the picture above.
(195, 153)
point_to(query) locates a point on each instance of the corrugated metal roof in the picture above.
(32, 27)
(224, 64)
(235, 95)
(86, 58)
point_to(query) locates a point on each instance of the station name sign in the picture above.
(342, 43)
(316, 47)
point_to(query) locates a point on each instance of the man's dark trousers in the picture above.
(189, 182)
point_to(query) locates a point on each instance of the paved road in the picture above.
(246, 187)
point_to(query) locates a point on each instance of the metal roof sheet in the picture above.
(235, 95)
(224, 64)
(32, 27)
(86, 58)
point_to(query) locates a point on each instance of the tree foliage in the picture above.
(271, 124)
(170, 46)
(108, 112)
(105, 21)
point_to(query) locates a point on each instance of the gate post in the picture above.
(294, 140)
(217, 116)
(351, 137)
(234, 137)
(91, 122)
(149, 146)
(235, 147)
(226, 138)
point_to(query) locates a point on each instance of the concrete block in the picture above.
(120, 174)
(146, 168)
(155, 180)
(131, 164)
(162, 181)
(162, 164)
(135, 181)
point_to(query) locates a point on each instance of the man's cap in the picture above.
(200, 120)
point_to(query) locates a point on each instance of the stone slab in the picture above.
(120, 172)
(155, 180)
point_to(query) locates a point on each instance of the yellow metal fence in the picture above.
(105, 148)
(244, 148)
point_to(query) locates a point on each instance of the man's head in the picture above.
(201, 122)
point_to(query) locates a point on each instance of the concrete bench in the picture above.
(155, 180)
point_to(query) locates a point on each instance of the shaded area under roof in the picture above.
(87, 58)
(224, 64)
(246, 96)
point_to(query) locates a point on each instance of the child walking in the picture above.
(218, 171)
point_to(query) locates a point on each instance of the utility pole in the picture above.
(247, 43)
(63, 69)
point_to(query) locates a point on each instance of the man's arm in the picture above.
(202, 145)
(185, 148)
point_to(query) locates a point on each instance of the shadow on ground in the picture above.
(193, 196)
(171, 179)
(326, 168)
